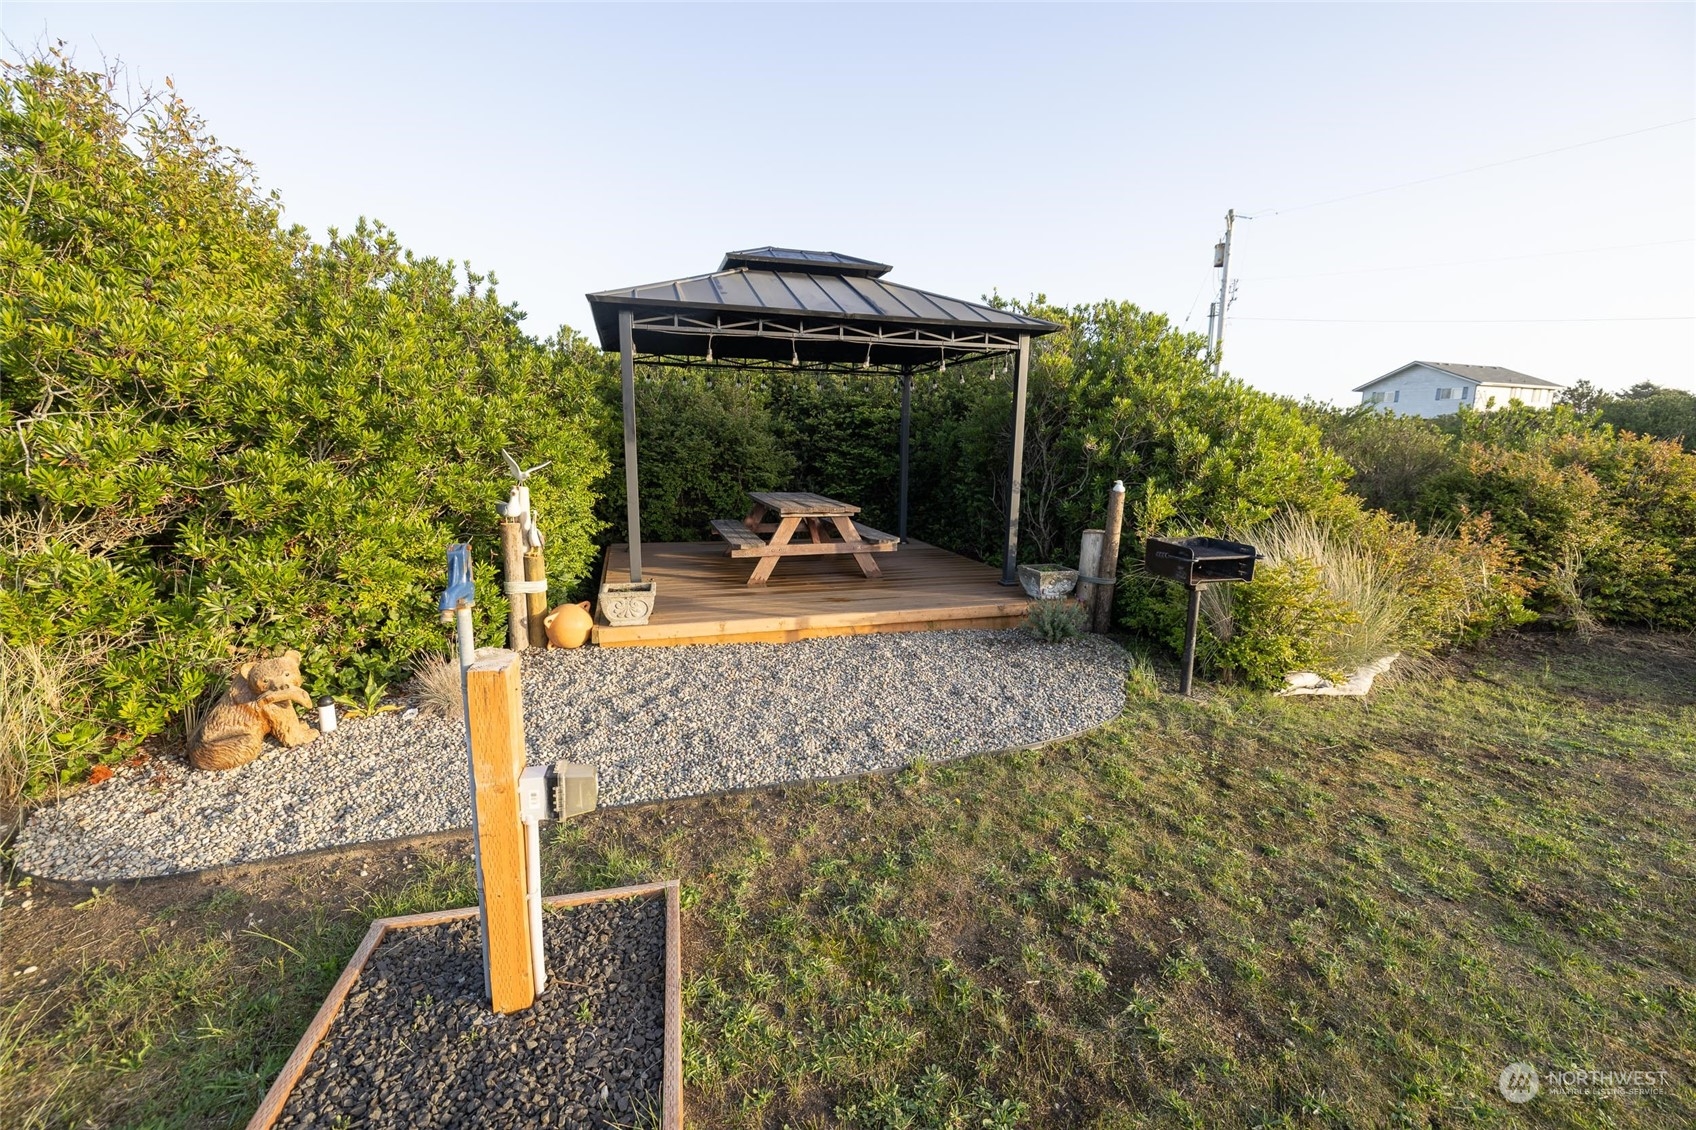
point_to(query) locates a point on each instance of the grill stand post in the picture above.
(1189, 640)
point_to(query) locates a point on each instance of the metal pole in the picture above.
(1189, 640)
(906, 430)
(633, 505)
(1016, 464)
(1224, 291)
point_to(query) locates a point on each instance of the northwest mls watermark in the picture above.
(1521, 1082)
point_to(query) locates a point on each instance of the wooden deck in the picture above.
(702, 596)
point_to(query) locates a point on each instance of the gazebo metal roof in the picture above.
(777, 306)
(812, 309)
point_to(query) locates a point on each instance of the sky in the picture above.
(1076, 152)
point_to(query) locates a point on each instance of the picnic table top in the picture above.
(802, 504)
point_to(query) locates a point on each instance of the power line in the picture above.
(1471, 262)
(1467, 321)
(1473, 169)
(1204, 285)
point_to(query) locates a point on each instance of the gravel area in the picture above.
(415, 1044)
(657, 723)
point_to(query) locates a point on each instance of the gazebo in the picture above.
(774, 307)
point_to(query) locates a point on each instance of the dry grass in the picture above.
(1350, 573)
(436, 684)
(34, 685)
(1563, 585)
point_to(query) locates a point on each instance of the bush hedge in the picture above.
(219, 438)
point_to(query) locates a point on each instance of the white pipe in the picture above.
(533, 899)
(468, 656)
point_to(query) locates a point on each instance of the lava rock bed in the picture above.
(416, 1046)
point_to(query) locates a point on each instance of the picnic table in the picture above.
(782, 514)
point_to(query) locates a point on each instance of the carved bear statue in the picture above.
(260, 701)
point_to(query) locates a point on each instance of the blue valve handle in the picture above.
(460, 590)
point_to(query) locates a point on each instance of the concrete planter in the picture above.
(1047, 582)
(628, 604)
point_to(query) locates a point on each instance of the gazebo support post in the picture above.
(633, 504)
(1016, 464)
(906, 430)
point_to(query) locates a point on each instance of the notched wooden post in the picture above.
(496, 712)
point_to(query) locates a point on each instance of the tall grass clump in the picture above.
(436, 682)
(36, 690)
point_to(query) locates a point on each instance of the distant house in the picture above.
(1431, 388)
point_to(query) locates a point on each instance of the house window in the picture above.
(1445, 394)
(1465, 392)
(1374, 398)
(1398, 397)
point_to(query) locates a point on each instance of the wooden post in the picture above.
(1089, 565)
(536, 603)
(1110, 558)
(517, 608)
(495, 710)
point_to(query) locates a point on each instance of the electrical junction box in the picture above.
(575, 788)
(557, 792)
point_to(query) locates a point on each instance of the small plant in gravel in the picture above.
(436, 685)
(1056, 620)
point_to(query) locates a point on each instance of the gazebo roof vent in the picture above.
(812, 262)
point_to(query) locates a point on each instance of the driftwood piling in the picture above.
(1110, 558)
(512, 561)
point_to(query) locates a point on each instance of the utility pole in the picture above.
(1216, 316)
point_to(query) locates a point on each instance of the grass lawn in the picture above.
(1240, 911)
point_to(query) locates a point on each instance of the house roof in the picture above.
(784, 305)
(1474, 374)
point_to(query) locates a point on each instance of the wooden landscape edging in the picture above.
(671, 1073)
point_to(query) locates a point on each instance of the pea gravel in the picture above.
(657, 723)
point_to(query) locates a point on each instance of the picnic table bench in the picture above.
(781, 514)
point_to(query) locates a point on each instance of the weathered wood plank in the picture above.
(738, 535)
(497, 758)
(705, 598)
(871, 535)
(801, 503)
(812, 549)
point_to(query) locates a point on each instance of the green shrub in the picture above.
(1280, 622)
(1391, 456)
(218, 438)
(1607, 517)
(1056, 620)
(704, 440)
(1646, 409)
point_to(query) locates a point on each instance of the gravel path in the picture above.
(416, 1047)
(657, 723)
